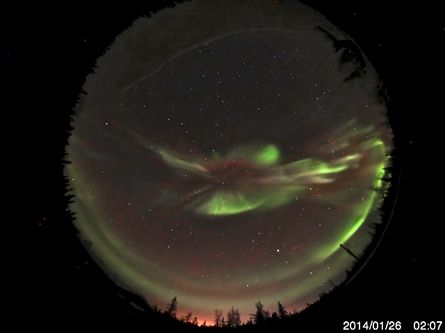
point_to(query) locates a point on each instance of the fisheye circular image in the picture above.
(227, 154)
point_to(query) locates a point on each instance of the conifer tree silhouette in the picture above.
(233, 318)
(282, 313)
(219, 319)
(172, 307)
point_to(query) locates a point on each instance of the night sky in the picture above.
(223, 151)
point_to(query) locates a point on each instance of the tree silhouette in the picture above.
(274, 316)
(233, 318)
(188, 317)
(172, 307)
(219, 319)
(282, 313)
(260, 315)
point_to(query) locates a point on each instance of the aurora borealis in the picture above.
(223, 152)
(245, 182)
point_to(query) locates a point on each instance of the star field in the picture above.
(224, 158)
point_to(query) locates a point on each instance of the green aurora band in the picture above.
(281, 183)
(276, 187)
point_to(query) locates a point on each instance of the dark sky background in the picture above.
(49, 51)
(214, 87)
